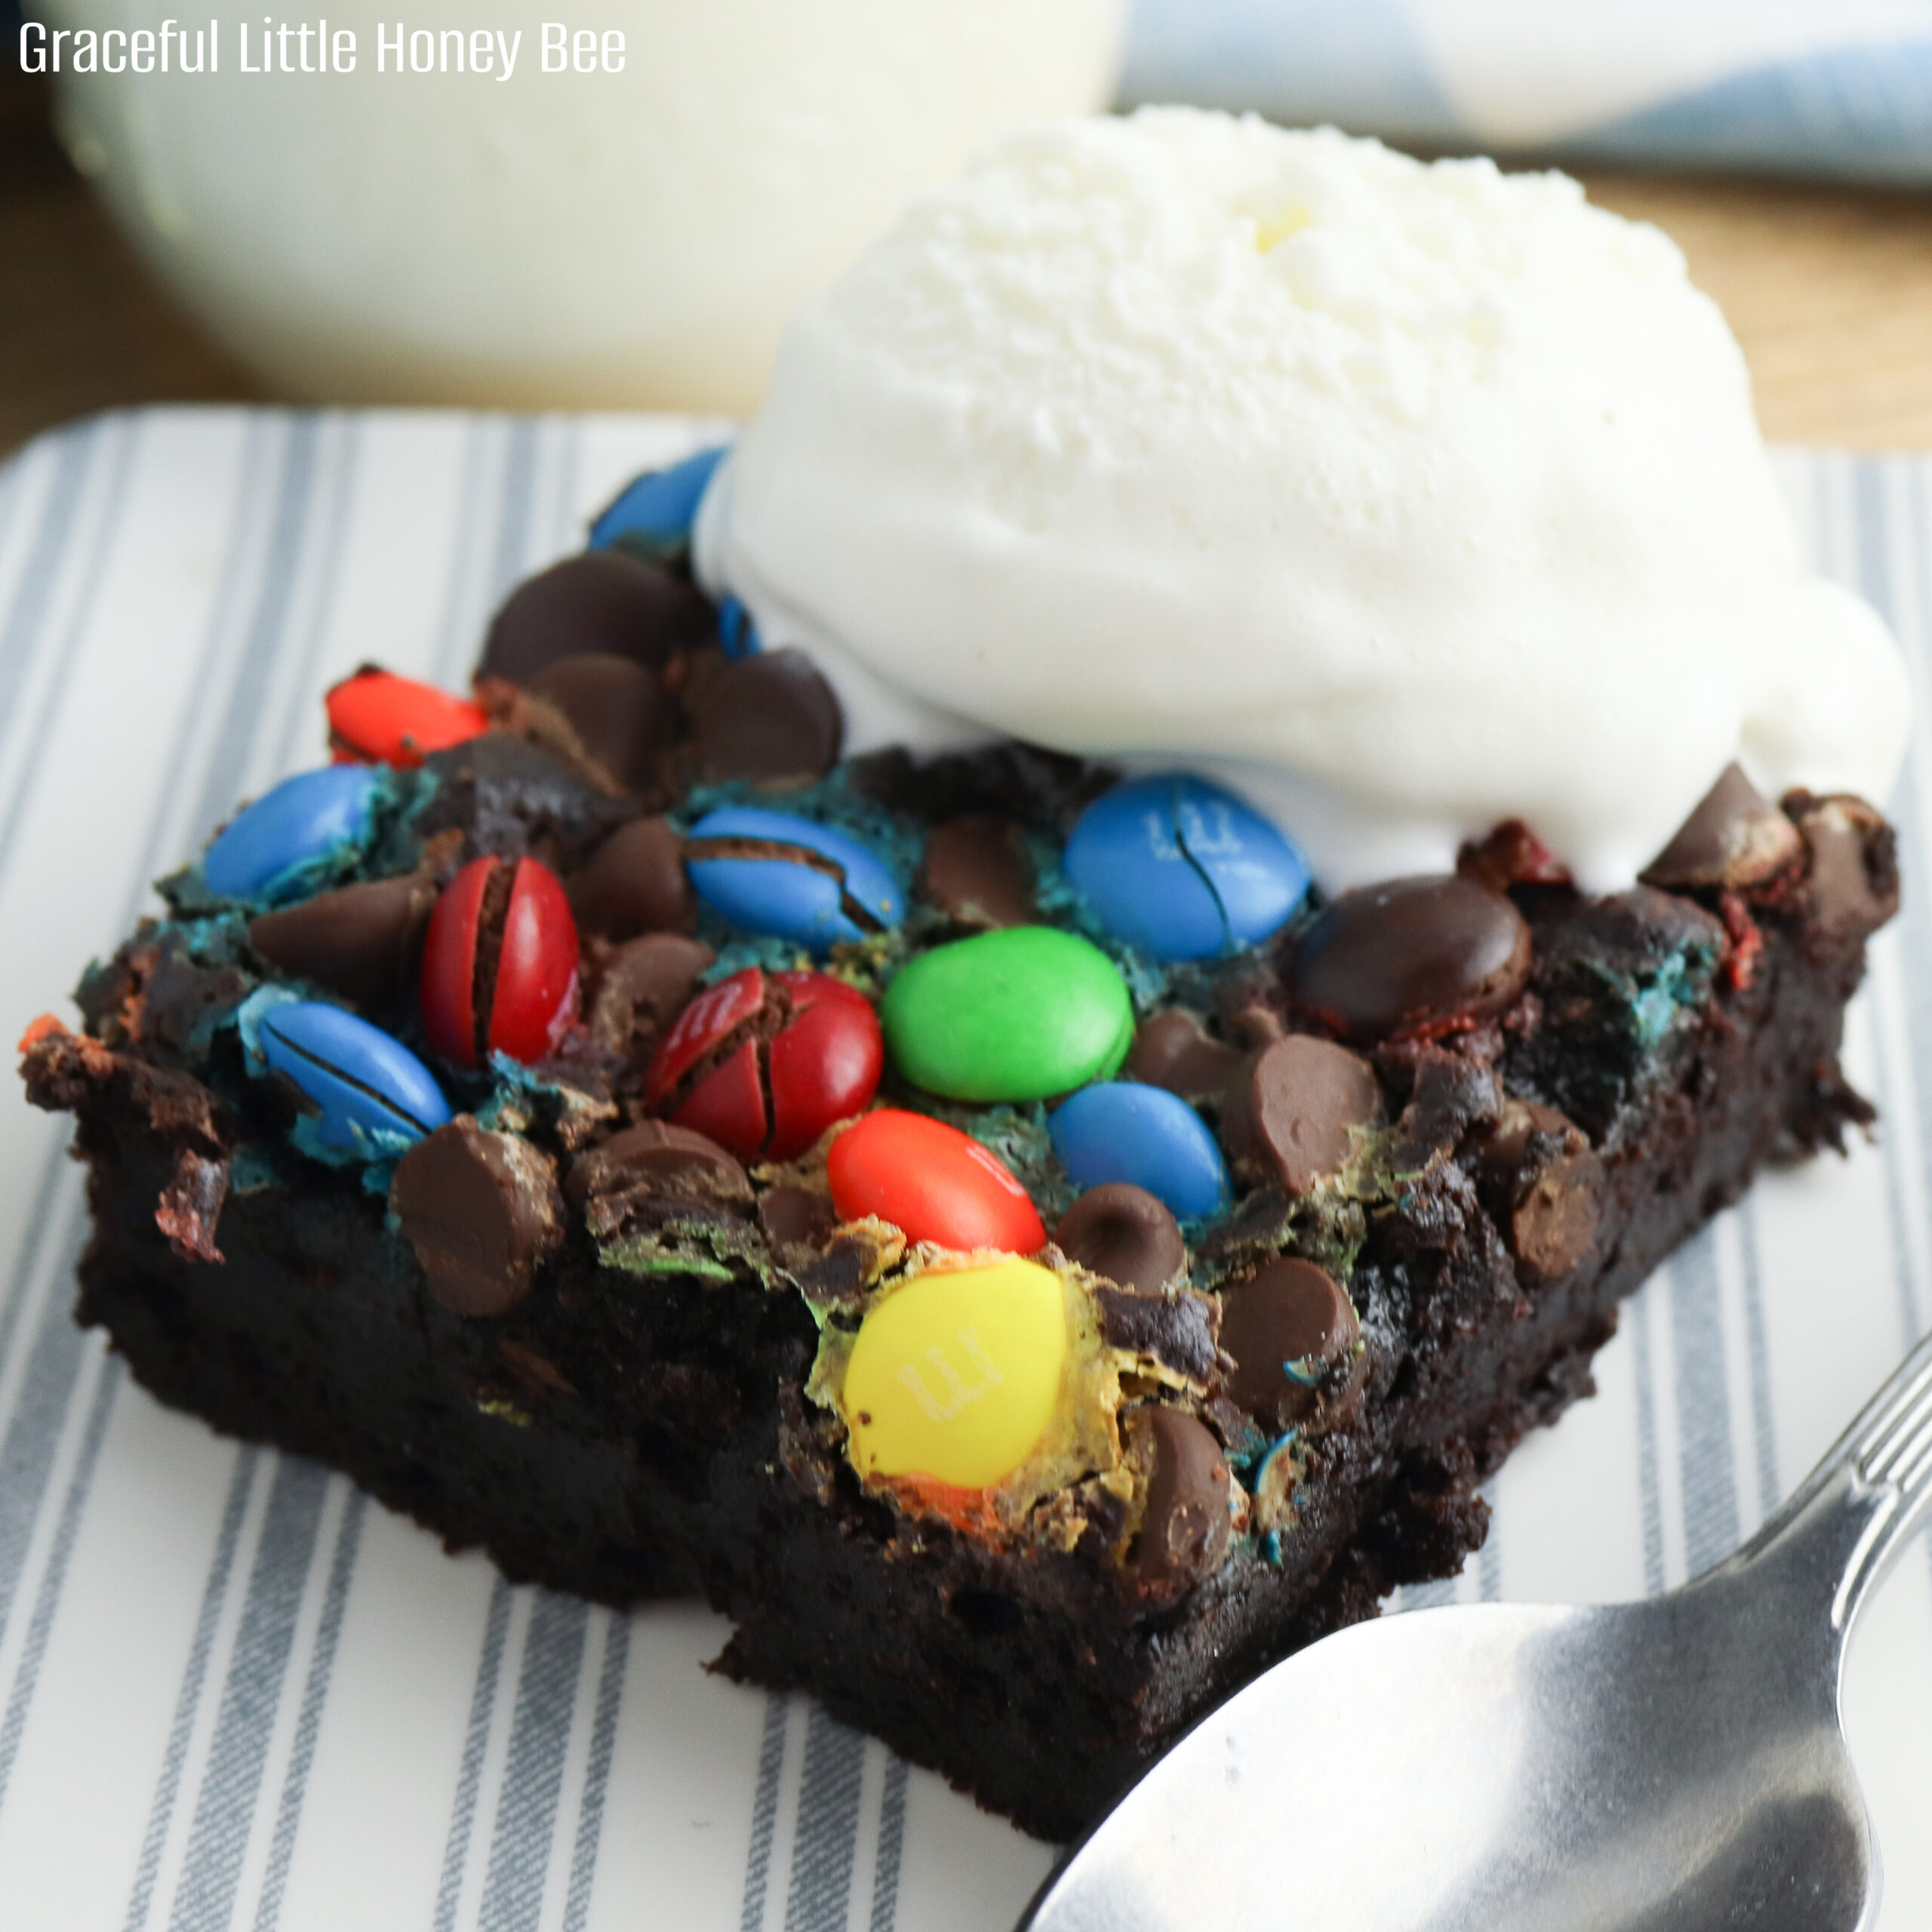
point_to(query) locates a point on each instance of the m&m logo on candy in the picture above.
(954, 1377)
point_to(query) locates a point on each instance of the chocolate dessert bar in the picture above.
(991, 1228)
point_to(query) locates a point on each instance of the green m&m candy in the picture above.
(1019, 1014)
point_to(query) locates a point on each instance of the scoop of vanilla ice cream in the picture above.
(1402, 498)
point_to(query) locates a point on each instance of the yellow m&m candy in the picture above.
(954, 1377)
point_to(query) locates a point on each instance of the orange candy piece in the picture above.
(932, 1182)
(379, 718)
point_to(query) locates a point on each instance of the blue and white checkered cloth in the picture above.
(1832, 87)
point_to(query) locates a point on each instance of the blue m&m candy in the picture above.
(1121, 1130)
(375, 1097)
(654, 513)
(775, 873)
(1182, 870)
(262, 849)
(737, 631)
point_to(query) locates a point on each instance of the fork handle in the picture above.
(1848, 1520)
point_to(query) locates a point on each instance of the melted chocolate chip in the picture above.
(602, 602)
(770, 719)
(481, 1211)
(1414, 955)
(1285, 1329)
(1174, 1050)
(796, 1218)
(1540, 1180)
(1735, 838)
(977, 871)
(362, 941)
(643, 986)
(618, 710)
(654, 1165)
(1184, 1525)
(634, 883)
(1123, 1234)
(1289, 1113)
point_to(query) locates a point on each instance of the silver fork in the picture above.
(1627, 1768)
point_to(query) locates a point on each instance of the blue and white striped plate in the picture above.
(234, 1696)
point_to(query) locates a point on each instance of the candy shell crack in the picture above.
(697, 851)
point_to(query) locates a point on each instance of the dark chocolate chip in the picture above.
(1413, 954)
(1854, 868)
(1289, 1111)
(795, 1217)
(1285, 1329)
(481, 1211)
(977, 871)
(1257, 1025)
(619, 710)
(1123, 1234)
(770, 719)
(1543, 1185)
(653, 1160)
(1735, 838)
(1174, 1050)
(601, 601)
(362, 941)
(635, 883)
(1184, 1526)
(643, 985)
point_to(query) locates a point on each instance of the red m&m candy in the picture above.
(932, 1182)
(763, 1062)
(500, 963)
(379, 718)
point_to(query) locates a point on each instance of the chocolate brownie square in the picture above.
(630, 1139)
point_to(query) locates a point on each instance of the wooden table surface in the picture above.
(1828, 289)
